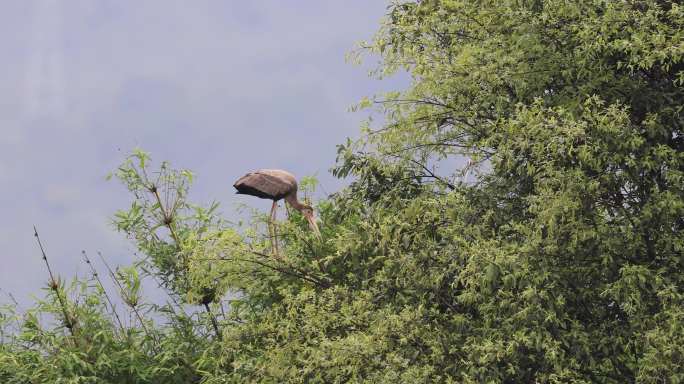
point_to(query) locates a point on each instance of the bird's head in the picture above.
(308, 212)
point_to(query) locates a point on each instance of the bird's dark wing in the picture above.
(263, 185)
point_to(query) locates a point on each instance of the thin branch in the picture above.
(167, 216)
(99, 282)
(213, 321)
(423, 145)
(14, 300)
(169, 293)
(122, 291)
(294, 272)
(432, 174)
(54, 285)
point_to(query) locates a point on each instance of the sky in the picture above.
(215, 86)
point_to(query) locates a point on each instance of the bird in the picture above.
(275, 184)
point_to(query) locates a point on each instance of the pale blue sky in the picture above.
(220, 87)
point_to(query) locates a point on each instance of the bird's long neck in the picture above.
(294, 202)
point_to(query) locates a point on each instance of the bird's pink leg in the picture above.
(274, 238)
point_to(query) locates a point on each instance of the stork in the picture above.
(275, 184)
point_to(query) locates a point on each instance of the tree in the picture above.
(569, 247)
(562, 262)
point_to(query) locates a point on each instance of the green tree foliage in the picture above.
(558, 259)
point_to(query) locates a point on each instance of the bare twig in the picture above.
(14, 300)
(432, 174)
(122, 291)
(99, 282)
(166, 216)
(168, 293)
(294, 272)
(54, 285)
(213, 321)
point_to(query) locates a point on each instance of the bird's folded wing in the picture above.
(262, 185)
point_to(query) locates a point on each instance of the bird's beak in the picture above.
(313, 225)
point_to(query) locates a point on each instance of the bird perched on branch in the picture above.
(275, 184)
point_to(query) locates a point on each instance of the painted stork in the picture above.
(275, 184)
